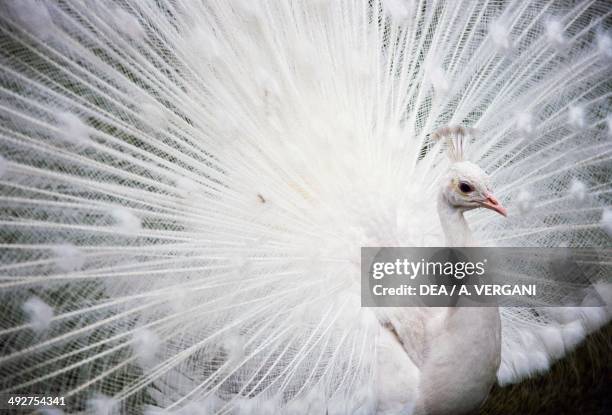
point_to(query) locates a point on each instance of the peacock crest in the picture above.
(454, 139)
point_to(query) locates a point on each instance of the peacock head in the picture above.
(466, 186)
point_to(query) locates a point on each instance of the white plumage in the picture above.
(185, 187)
(39, 314)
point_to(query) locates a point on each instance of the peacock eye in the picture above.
(465, 187)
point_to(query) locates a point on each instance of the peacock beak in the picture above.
(492, 203)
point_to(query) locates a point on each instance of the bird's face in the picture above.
(467, 187)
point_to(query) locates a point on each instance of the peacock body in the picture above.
(185, 188)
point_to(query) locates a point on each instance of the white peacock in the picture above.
(185, 186)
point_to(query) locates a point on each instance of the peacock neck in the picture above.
(455, 227)
(468, 342)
